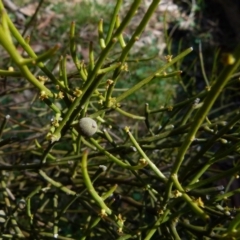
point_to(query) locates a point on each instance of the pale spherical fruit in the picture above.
(87, 126)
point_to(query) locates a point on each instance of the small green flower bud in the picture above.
(87, 126)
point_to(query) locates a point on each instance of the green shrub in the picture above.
(146, 171)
